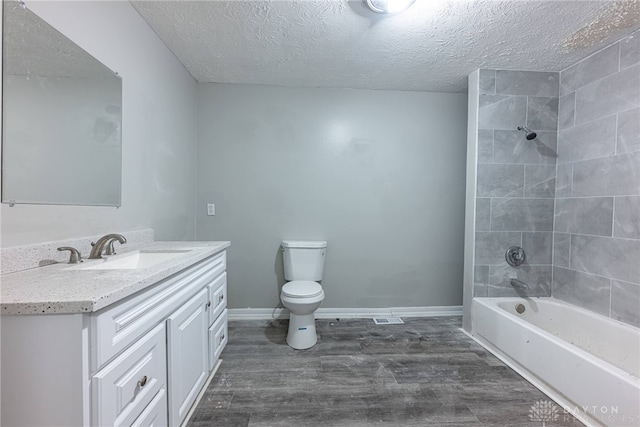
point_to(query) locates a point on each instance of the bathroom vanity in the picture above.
(130, 340)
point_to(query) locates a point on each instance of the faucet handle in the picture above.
(74, 256)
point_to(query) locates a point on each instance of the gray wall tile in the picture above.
(628, 131)
(496, 180)
(566, 110)
(542, 113)
(487, 81)
(584, 290)
(502, 112)
(626, 222)
(606, 256)
(531, 83)
(483, 214)
(597, 151)
(564, 180)
(539, 181)
(480, 280)
(561, 249)
(485, 146)
(538, 247)
(613, 94)
(592, 215)
(630, 50)
(521, 214)
(491, 246)
(625, 302)
(610, 176)
(511, 146)
(595, 67)
(588, 141)
(538, 277)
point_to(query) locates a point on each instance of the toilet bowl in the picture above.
(302, 295)
(302, 298)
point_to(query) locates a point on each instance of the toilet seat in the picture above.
(301, 289)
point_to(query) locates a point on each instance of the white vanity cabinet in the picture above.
(142, 361)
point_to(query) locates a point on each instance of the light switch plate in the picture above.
(211, 209)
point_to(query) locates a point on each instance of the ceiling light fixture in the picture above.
(389, 6)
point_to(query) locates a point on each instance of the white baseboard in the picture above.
(346, 313)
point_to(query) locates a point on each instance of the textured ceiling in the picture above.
(33, 47)
(432, 46)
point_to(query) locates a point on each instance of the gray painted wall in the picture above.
(380, 175)
(597, 214)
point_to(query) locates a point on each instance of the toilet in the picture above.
(302, 294)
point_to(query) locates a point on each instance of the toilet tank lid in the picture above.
(306, 244)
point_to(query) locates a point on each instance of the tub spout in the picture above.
(519, 284)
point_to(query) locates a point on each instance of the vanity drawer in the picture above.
(218, 338)
(155, 414)
(217, 297)
(125, 387)
(118, 326)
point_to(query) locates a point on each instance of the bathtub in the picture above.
(587, 363)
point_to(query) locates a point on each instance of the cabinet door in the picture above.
(187, 348)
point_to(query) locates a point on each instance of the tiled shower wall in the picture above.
(515, 180)
(597, 213)
(570, 197)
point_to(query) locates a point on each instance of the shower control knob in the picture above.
(515, 256)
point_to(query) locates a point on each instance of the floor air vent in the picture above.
(387, 321)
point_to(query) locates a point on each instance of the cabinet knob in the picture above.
(222, 297)
(221, 337)
(143, 381)
(209, 304)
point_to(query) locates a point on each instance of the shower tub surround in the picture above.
(586, 349)
(515, 180)
(597, 215)
(571, 196)
(571, 199)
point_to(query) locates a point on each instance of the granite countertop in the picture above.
(67, 288)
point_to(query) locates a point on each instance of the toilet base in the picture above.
(302, 331)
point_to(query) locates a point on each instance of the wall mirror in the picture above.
(61, 116)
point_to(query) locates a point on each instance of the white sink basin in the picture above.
(135, 260)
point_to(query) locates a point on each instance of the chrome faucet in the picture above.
(98, 247)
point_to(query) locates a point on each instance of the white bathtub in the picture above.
(588, 363)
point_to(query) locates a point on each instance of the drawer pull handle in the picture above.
(222, 297)
(209, 304)
(221, 337)
(143, 381)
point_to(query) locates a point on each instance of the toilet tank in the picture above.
(303, 260)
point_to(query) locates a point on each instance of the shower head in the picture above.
(529, 134)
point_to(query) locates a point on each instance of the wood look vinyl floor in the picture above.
(425, 372)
